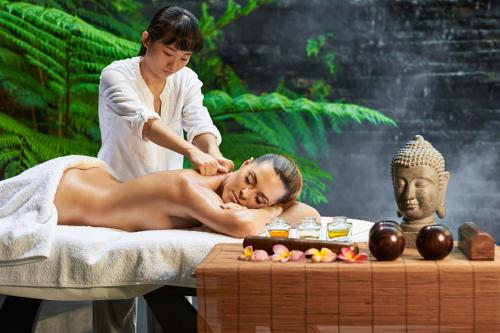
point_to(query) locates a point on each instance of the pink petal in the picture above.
(259, 255)
(346, 251)
(281, 250)
(277, 257)
(316, 258)
(329, 257)
(361, 257)
(341, 257)
(312, 251)
(296, 255)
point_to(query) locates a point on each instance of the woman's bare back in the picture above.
(162, 200)
(95, 198)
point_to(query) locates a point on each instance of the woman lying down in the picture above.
(237, 204)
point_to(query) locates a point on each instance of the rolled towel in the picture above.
(28, 215)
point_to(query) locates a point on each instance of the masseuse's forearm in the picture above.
(207, 143)
(160, 134)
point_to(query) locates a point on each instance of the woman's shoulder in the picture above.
(185, 77)
(127, 66)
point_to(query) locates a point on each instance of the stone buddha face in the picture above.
(419, 181)
(417, 192)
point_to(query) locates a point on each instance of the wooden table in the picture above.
(406, 295)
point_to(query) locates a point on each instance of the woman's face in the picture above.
(254, 185)
(164, 60)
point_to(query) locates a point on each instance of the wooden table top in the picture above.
(408, 294)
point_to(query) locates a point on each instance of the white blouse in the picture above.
(126, 103)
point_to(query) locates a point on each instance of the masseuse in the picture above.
(145, 103)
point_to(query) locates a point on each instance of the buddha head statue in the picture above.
(420, 182)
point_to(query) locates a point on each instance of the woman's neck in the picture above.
(154, 82)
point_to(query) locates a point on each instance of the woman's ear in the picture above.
(250, 160)
(145, 39)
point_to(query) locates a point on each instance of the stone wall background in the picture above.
(433, 66)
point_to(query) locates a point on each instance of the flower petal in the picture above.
(277, 257)
(243, 257)
(316, 258)
(296, 255)
(247, 251)
(345, 251)
(312, 251)
(259, 255)
(329, 257)
(281, 250)
(325, 250)
(361, 257)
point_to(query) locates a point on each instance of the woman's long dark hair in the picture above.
(177, 25)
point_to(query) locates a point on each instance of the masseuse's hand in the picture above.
(226, 163)
(204, 163)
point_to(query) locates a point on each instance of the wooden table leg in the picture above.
(19, 314)
(172, 310)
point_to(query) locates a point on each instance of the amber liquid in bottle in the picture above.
(278, 233)
(338, 233)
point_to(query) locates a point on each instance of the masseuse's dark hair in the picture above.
(288, 172)
(177, 25)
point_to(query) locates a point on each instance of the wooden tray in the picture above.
(406, 295)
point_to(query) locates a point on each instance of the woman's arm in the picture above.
(119, 96)
(236, 223)
(117, 93)
(162, 135)
(195, 117)
(297, 211)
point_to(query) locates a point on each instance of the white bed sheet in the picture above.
(88, 263)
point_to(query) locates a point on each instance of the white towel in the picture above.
(28, 216)
(86, 257)
(90, 257)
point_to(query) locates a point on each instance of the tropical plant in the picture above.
(120, 17)
(22, 147)
(66, 56)
(49, 71)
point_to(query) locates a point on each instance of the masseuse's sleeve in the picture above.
(121, 98)
(195, 117)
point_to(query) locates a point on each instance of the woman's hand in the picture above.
(232, 205)
(226, 163)
(204, 163)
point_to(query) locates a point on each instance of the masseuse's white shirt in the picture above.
(126, 103)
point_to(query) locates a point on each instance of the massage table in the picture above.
(90, 263)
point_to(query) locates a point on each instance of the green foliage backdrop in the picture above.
(51, 56)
